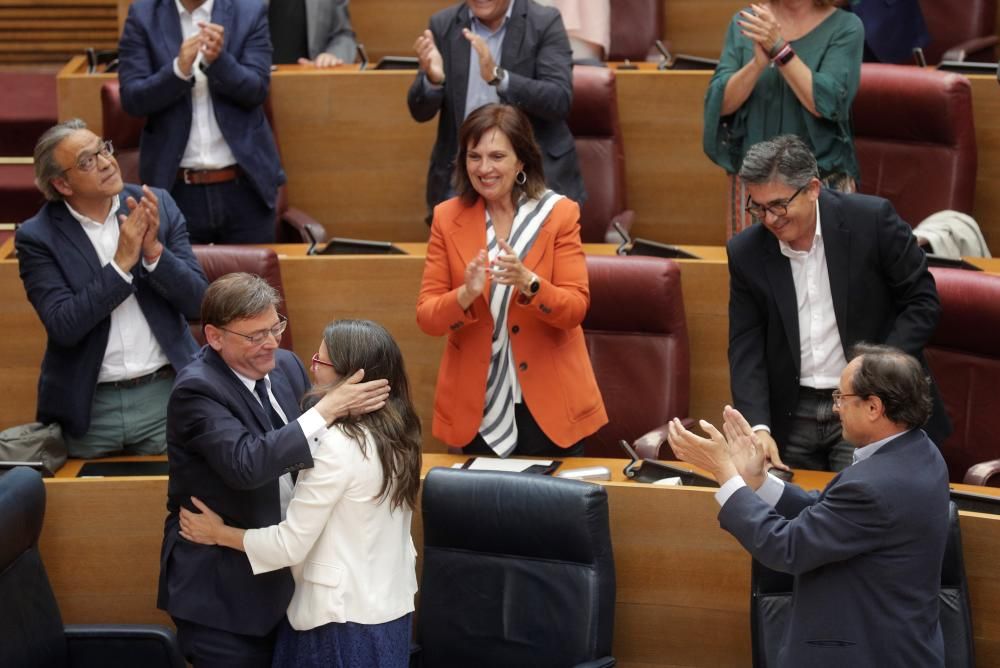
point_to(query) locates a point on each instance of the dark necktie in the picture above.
(261, 389)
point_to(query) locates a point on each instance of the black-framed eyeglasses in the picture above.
(88, 161)
(838, 396)
(316, 360)
(777, 208)
(257, 338)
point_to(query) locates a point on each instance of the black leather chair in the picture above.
(771, 604)
(517, 571)
(31, 629)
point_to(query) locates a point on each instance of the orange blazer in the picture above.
(557, 381)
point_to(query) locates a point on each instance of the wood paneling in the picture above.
(384, 288)
(51, 31)
(357, 162)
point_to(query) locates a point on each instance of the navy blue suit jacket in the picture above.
(866, 554)
(74, 297)
(222, 449)
(893, 28)
(538, 60)
(882, 293)
(238, 82)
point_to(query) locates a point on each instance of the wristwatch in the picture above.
(534, 285)
(498, 75)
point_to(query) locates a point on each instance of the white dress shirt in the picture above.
(132, 350)
(206, 147)
(821, 352)
(312, 423)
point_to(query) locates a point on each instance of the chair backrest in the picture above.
(218, 261)
(636, 333)
(517, 570)
(31, 628)
(635, 26)
(771, 605)
(593, 120)
(123, 130)
(952, 22)
(915, 139)
(965, 359)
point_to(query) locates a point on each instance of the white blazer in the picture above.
(352, 559)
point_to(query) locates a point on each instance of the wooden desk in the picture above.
(384, 288)
(682, 583)
(357, 162)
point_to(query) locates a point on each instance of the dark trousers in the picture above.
(531, 440)
(225, 213)
(815, 441)
(207, 647)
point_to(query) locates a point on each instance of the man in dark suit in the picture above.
(311, 32)
(109, 270)
(510, 51)
(866, 552)
(893, 28)
(822, 271)
(201, 78)
(235, 434)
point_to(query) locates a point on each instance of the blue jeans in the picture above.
(225, 213)
(815, 441)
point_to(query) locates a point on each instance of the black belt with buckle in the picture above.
(165, 371)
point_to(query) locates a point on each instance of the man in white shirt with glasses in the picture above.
(109, 270)
(821, 271)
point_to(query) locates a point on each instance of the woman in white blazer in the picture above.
(346, 535)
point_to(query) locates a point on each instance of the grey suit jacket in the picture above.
(329, 26)
(538, 60)
(866, 554)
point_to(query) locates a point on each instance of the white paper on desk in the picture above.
(674, 481)
(513, 464)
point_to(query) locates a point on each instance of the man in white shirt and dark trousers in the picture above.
(109, 270)
(200, 71)
(822, 271)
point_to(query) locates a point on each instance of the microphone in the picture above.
(363, 56)
(312, 241)
(665, 63)
(626, 243)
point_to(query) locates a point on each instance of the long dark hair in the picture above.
(395, 429)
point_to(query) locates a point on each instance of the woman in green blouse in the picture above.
(787, 67)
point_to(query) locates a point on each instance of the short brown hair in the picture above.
(515, 124)
(235, 297)
(897, 379)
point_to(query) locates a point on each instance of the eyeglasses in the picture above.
(838, 396)
(317, 360)
(88, 161)
(257, 338)
(777, 208)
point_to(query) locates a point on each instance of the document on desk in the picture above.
(543, 466)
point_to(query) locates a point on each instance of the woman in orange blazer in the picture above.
(505, 280)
